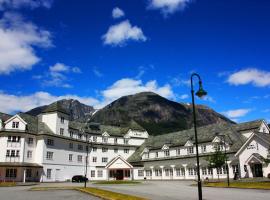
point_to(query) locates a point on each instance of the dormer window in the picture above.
(146, 154)
(62, 120)
(94, 138)
(61, 131)
(71, 134)
(178, 151)
(125, 141)
(157, 154)
(15, 124)
(167, 153)
(80, 136)
(190, 150)
(203, 148)
(115, 140)
(104, 139)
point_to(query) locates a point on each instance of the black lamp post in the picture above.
(200, 93)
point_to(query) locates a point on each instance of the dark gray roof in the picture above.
(55, 107)
(32, 122)
(251, 125)
(205, 134)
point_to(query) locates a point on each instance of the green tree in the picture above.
(217, 159)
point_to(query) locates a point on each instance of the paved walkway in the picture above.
(22, 193)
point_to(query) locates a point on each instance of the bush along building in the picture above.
(50, 148)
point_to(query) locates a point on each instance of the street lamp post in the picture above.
(200, 93)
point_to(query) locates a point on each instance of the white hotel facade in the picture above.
(50, 148)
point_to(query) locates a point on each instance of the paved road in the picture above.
(22, 193)
(181, 190)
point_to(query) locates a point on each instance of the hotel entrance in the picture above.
(257, 170)
(119, 169)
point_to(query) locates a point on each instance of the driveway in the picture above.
(23, 193)
(181, 190)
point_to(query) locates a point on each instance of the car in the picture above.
(79, 178)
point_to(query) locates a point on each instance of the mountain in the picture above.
(78, 111)
(156, 114)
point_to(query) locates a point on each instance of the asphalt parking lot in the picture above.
(156, 190)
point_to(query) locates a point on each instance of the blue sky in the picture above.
(99, 50)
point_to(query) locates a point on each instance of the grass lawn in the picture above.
(103, 194)
(117, 182)
(7, 184)
(248, 185)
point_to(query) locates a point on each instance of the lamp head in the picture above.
(201, 92)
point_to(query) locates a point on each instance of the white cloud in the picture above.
(236, 113)
(168, 6)
(128, 86)
(117, 13)
(27, 102)
(18, 39)
(120, 34)
(15, 4)
(120, 88)
(97, 72)
(57, 75)
(184, 96)
(253, 76)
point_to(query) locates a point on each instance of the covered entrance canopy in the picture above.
(255, 162)
(119, 169)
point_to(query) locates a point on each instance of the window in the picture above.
(79, 158)
(71, 134)
(190, 150)
(30, 141)
(148, 172)
(18, 153)
(50, 142)
(29, 154)
(15, 124)
(80, 136)
(100, 173)
(126, 173)
(140, 173)
(156, 154)
(12, 153)
(178, 172)
(204, 171)
(94, 149)
(28, 173)
(49, 173)
(178, 151)
(183, 171)
(146, 154)
(93, 173)
(94, 138)
(49, 155)
(158, 172)
(104, 159)
(61, 131)
(210, 171)
(167, 153)
(126, 150)
(14, 138)
(219, 170)
(115, 141)
(224, 169)
(115, 150)
(11, 173)
(104, 149)
(203, 148)
(94, 159)
(8, 153)
(70, 145)
(235, 169)
(70, 157)
(62, 120)
(104, 139)
(125, 141)
(80, 147)
(9, 138)
(190, 171)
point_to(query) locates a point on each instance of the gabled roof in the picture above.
(16, 116)
(251, 125)
(205, 135)
(55, 107)
(118, 158)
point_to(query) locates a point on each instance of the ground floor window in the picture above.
(140, 172)
(28, 173)
(210, 171)
(11, 173)
(158, 172)
(204, 171)
(190, 171)
(148, 172)
(49, 173)
(93, 173)
(100, 173)
(235, 168)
